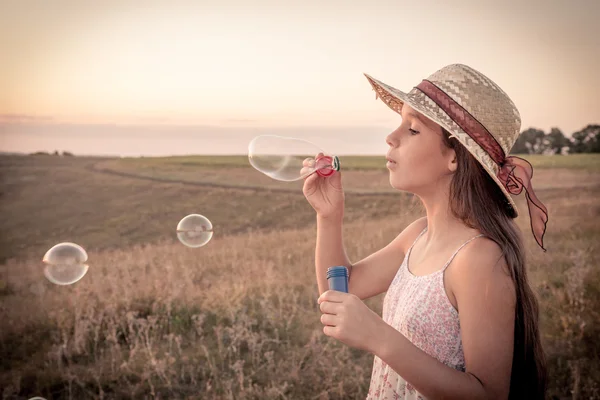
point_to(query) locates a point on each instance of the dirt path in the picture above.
(545, 179)
(96, 169)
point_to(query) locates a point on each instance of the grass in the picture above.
(588, 162)
(362, 175)
(350, 162)
(237, 318)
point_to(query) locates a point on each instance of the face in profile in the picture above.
(415, 158)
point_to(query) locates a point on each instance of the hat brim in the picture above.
(395, 98)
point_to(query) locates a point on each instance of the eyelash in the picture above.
(413, 132)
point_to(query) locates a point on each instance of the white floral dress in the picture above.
(418, 307)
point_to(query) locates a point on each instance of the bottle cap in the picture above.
(337, 271)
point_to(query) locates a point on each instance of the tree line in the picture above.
(536, 141)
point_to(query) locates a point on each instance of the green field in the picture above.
(362, 175)
(237, 319)
(579, 161)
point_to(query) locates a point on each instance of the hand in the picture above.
(325, 194)
(349, 320)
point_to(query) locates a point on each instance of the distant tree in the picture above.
(56, 152)
(67, 154)
(556, 142)
(40, 153)
(586, 140)
(530, 141)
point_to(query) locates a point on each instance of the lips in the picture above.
(390, 160)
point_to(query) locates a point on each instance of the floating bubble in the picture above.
(282, 158)
(37, 398)
(64, 264)
(194, 230)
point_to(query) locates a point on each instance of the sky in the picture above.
(180, 77)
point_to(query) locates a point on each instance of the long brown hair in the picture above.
(478, 201)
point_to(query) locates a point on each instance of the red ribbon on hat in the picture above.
(515, 173)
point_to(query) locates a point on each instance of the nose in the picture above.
(392, 139)
(389, 141)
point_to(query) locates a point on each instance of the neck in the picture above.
(442, 226)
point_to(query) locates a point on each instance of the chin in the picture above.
(396, 185)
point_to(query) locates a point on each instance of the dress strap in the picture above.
(452, 257)
(415, 242)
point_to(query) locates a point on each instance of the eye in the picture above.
(413, 132)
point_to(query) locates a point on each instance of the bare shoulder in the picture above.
(479, 264)
(410, 233)
(482, 254)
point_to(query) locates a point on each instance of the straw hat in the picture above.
(481, 116)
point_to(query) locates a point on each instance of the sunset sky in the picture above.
(248, 65)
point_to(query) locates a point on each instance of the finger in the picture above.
(333, 296)
(329, 330)
(330, 308)
(304, 170)
(329, 319)
(335, 180)
(310, 180)
(308, 162)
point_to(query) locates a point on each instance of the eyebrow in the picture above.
(423, 119)
(416, 115)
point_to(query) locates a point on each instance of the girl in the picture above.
(460, 320)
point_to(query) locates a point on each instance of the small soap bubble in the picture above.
(194, 230)
(37, 398)
(64, 264)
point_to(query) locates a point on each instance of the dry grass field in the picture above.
(237, 318)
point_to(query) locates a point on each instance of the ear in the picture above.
(452, 161)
